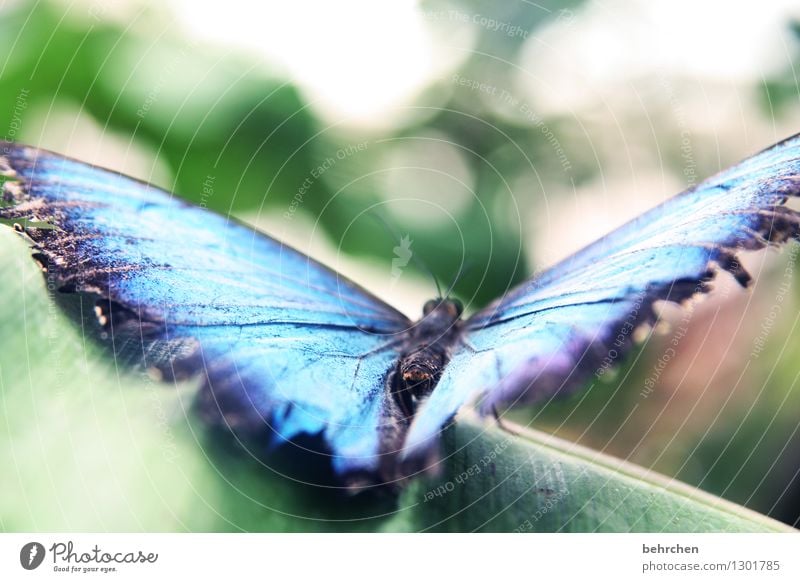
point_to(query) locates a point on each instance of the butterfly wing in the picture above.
(284, 345)
(552, 333)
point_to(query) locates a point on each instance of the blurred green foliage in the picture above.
(213, 113)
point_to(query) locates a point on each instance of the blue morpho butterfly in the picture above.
(286, 347)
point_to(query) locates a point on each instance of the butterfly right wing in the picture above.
(549, 335)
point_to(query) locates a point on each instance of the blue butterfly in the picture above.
(287, 348)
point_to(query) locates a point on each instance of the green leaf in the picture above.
(87, 446)
(533, 482)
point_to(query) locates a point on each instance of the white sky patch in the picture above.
(354, 59)
(569, 64)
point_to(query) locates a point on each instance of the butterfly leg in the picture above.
(498, 418)
(504, 426)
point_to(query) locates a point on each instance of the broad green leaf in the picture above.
(533, 482)
(88, 446)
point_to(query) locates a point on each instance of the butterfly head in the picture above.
(447, 309)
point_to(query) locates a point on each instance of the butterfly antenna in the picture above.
(435, 280)
(414, 258)
(465, 265)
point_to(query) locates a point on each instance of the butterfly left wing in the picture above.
(549, 335)
(284, 346)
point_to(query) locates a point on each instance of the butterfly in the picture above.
(286, 348)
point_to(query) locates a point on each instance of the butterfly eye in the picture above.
(429, 306)
(458, 306)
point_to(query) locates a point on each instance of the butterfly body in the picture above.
(285, 348)
(425, 353)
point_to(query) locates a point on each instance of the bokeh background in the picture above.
(470, 143)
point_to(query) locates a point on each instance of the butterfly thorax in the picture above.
(426, 352)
